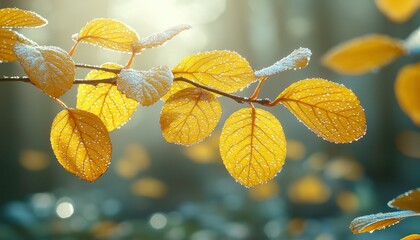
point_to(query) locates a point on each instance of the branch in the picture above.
(76, 81)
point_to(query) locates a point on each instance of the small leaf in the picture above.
(252, 146)
(329, 109)
(104, 99)
(160, 38)
(299, 58)
(51, 69)
(108, 33)
(17, 18)
(189, 116)
(8, 39)
(370, 223)
(398, 11)
(407, 87)
(81, 143)
(407, 201)
(363, 54)
(411, 237)
(223, 70)
(146, 87)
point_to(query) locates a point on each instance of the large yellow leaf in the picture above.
(252, 146)
(363, 54)
(104, 99)
(50, 68)
(407, 201)
(108, 33)
(370, 223)
(81, 143)
(330, 110)
(407, 89)
(411, 237)
(398, 10)
(189, 116)
(16, 18)
(8, 39)
(223, 70)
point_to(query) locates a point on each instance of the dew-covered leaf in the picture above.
(330, 110)
(364, 54)
(160, 38)
(407, 89)
(18, 18)
(398, 11)
(104, 99)
(370, 223)
(411, 237)
(252, 146)
(407, 201)
(50, 68)
(223, 70)
(108, 33)
(189, 116)
(8, 39)
(299, 58)
(81, 143)
(146, 87)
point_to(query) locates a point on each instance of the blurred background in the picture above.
(157, 190)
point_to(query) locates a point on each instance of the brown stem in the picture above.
(82, 65)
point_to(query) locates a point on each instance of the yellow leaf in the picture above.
(407, 201)
(160, 38)
(398, 10)
(370, 223)
(252, 146)
(146, 87)
(329, 109)
(363, 54)
(108, 33)
(411, 237)
(51, 69)
(189, 116)
(81, 143)
(104, 99)
(407, 87)
(8, 39)
(17, 18)
(223, 70)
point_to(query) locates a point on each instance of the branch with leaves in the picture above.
(252, 141)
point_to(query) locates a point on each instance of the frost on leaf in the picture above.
(81, 143)
(189, 116)
(108, 33)
(8, 39)
(398, 10)
(364, 54)
(379, 221)
(299, 58)
(407, 201)
(160, 38)
(252, 146)
(17, 18)
(329, 109)
(407, 88)
(49, 68)
(146, 87)
(104, 99)
(412, 43)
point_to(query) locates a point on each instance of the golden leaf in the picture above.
(8, 39)
(407, 201)
(411, 237)
(50, 69)
(189, 116)
(108, 33)
(252, 146)
(407, 87)
(223, 70)
(398, 10)
(370, 223)
(160, 38)
(81, 143)
(146, 87)
(17, 18)
(104, 99)
(329, 109)
(363, 54)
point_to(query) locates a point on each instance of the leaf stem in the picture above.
(258, 88)
(60, 102)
